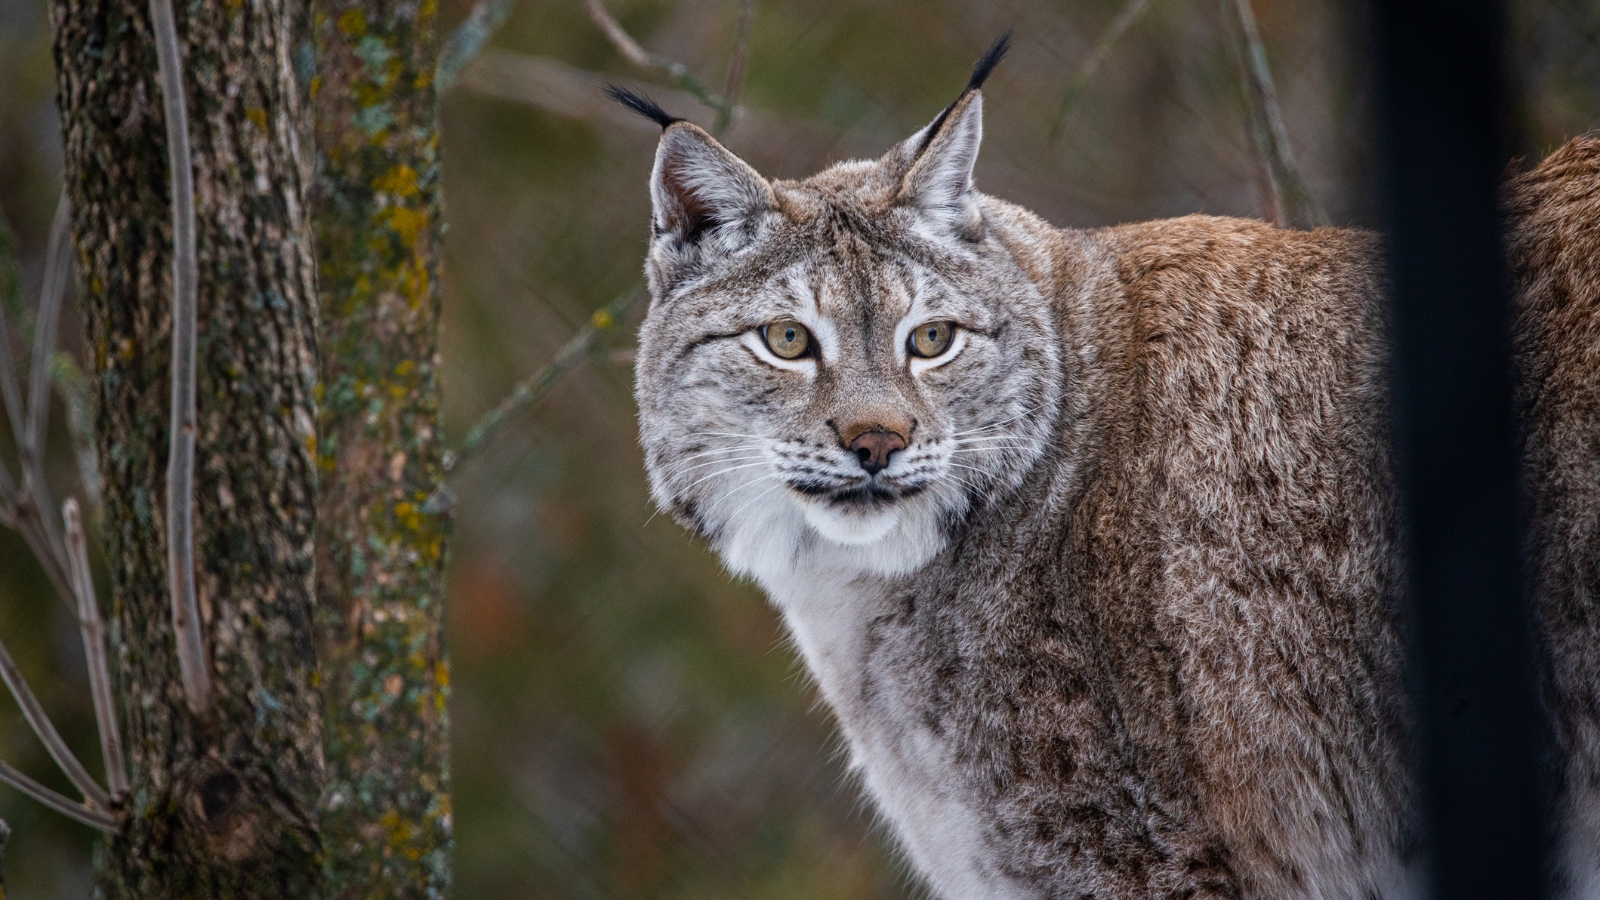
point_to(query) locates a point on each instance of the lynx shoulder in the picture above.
(1087, 537)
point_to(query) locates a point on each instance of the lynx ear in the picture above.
(697, 187)
(935, 164)
(939, 180)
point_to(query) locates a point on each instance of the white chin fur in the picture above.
(793, 536)
(853, 528)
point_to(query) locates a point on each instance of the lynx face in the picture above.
(847, 363)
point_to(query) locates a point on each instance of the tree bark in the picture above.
(223, 805)
(380, 576)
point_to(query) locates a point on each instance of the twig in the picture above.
(470, 36)
(738, 63)
(10, 389)
(94, 818)
(644, 59)
(192, 664)
(21, 507)
(1292, 202)
(93, 629)
(41, 725)
(532, 390)
(74, 387)
(35, 489)
(57, 271)
(1086, 71)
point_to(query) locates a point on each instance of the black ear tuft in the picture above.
(997, 52)
(980, 74)
(642, 104)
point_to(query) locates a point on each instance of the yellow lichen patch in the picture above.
(602, 319)
(408, 223)
(441, 673)
(397, 828)
(408, 516)
(400, 181)
(367, 94)
(257, 115)
(405, 368)
(414, 283)
(353, 23)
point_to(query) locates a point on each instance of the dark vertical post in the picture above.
(1443, 148)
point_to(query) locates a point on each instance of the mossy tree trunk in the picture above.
(262, 799)
(224, 805)
(380, 575)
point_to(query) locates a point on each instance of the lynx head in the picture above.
(847, 364)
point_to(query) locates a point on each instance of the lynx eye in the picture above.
(787, 339)
(930, 339)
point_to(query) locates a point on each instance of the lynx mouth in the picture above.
(867, 494)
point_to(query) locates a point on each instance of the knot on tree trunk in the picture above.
(234, 811)
(225, 829)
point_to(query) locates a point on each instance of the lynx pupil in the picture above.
(788, 339)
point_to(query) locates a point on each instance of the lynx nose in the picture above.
(873, 448)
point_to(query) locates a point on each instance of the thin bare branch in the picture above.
(93, 629)
(192, 664)
(738, 64)
(10, 298)
(94, 818)
(35, 489)
(532, 390)
(10, 389)
(57, 272)
(1119, 26)
(77, 395)
(26, 519)
(19, 506)
(644, 59)
(46, 730)
(1291, 199)
(468, 38)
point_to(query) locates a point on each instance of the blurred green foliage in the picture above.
(629, 721)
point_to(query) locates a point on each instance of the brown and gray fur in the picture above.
(1121, 622)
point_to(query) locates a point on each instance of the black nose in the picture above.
(873, 449)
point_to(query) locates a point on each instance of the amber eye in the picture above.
(930, 339)
(787, 339)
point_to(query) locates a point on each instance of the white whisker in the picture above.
(720, 472)
(682, 470)
(1019, 415)
(747, 503)
(757, 437)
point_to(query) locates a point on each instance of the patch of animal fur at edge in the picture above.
(1088, 537)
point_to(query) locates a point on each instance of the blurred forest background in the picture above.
(628, 721)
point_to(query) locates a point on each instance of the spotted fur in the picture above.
(1120, 620)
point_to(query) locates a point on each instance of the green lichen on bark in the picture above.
(386, 815)
(222, 806)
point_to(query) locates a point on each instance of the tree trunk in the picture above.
(223, 806)
(380, 569)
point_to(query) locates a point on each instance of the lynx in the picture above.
(1088, 537)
